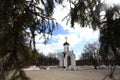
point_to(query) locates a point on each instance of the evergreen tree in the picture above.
(98, 15)
(20, 21)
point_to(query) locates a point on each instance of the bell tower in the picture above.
(66, 45)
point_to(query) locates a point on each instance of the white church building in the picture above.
(67, 58)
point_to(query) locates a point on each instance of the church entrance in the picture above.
(68, 61)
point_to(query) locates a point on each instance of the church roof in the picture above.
(66, 43)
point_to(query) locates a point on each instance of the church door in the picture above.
(68, 61)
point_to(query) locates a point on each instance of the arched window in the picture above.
(68, 61)
(67, 48)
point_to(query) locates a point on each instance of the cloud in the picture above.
(75, 35)
(84, 33)
(57, 43)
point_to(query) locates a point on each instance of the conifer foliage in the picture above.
(20, 21)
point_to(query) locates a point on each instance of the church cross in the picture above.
(66, 39)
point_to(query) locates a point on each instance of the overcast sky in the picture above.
(77, 36)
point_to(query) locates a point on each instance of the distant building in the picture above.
(67, 58)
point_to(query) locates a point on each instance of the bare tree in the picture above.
(91, 52)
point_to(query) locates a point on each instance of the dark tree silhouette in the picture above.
(89, 13)
(21, 20)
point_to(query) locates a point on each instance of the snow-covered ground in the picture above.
(84, 73)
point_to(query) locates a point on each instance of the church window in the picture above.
(67, 48)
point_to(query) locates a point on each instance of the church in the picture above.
(67, 58)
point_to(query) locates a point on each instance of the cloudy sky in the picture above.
(77, 36)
